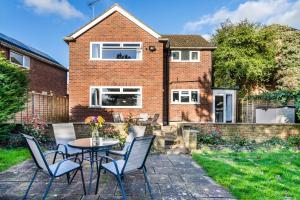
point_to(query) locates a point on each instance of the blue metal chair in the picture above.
(54, 170)
(135, 160)
(65, 133)
(134, 131)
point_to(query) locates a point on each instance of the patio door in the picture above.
(224, 106)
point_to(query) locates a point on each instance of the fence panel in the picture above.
(247, 108)
(48, 107)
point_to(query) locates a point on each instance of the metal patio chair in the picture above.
(135, 161)
(118, 117)
(65, 133)
(134, 131)
(54, 170)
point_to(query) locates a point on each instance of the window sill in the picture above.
(134, 107)
(117, 60)
(175, 103)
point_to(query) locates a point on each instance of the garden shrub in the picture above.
(212, 137)
(294, 141)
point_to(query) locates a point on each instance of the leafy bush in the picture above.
(239, 143)
(294, 141)
(13, 89)
(35, 126)
(212, 137)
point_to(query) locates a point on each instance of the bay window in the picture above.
(116, 97)
(116, 51)
(185, 96)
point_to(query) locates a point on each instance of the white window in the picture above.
(184, 96)
(116, 97)
(185, 56)
(19, 59)
(116, 51)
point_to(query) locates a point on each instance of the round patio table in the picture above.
(86, 144)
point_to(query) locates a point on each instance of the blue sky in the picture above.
(44, 23)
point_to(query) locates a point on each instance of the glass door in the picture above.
(219, 108)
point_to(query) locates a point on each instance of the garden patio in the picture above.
(171, 177)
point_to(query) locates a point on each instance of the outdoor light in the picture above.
(152, 48)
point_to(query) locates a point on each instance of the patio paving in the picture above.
(172, 177)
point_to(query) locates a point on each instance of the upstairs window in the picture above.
(116, 97)
(185, 56)
(116, 51)
(187, 96)
(19, 59)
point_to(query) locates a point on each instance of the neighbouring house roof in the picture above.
(23, 48)
(187, 41)
(115, 8)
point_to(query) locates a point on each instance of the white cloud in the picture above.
(263, 11)
(60, 7)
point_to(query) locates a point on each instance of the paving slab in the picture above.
(172, 177)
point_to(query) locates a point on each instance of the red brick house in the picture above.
(45, 73)
(118, 64)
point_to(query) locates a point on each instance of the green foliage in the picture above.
(294, 141)
(282, 97)
(288, 57)
(212, 137)
(35, 126)
(244, 57)
(13, 89)
(254, 175)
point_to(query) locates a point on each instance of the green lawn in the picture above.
(10, 157)
(254, 175)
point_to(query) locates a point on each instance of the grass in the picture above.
(254, 175)
(10, 157)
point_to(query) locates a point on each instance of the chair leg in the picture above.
(147, 181)
(98, 179)
(30, 184)
(48, 188)
(121, 187)
(82, 179)
(54, 159)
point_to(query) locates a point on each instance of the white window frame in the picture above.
(190, 96)
(121, 45)
(121, 92)
(23, 61)
(190, 56)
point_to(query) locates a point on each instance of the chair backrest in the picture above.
(116, 117)
(144, 117)
(155, 118)
(138, 153)
(135, 131)
(64, 133)
(121, 117)
(36, 153)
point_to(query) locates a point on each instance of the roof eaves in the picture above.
(32, 54)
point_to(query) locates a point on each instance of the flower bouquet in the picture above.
(95, 123)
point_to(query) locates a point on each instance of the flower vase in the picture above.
(95, 136)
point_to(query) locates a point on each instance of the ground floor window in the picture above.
(185, 96)
(116, 97)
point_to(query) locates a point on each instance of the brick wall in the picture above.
(257, 132)
(192, 75)
(84, 73)
(44, 77)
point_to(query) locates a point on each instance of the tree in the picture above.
(244, 57)
(13, 89)
(288, 57)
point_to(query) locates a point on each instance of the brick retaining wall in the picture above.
(257, 132)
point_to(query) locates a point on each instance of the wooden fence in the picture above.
(49, 107)
(247, 109)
